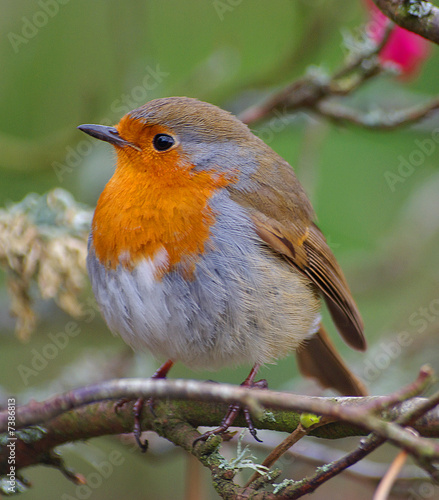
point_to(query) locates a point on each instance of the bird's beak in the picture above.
(108, 134)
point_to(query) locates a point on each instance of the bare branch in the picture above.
(378, 120)
(316, 91)
(318, 454)
(368, 445)
(88, 420)
(343, 409)
(417, 16)
(389, 478)
(298, 433)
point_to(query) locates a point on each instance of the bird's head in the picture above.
(179, 132)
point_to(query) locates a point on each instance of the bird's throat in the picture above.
(142, 214)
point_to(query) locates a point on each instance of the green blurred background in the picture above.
(86, 64)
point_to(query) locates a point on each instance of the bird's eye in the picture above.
(162, 142)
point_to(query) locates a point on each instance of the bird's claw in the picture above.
(137, 429)
(137, 413)
(231, 415)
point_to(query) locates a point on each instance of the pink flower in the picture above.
(404, 49)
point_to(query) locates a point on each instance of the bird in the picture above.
(204, 250)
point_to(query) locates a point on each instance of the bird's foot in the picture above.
(140, 403)
(233, 412)
(137, 414)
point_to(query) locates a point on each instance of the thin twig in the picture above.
(356, 62)
(323, 474)
(422, 408)
(423, 381)
(316, 92)
(367, 446)
(377, 120)
(317, 454)
(298, 433)
(386, 484)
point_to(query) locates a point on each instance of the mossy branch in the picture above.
(417, 16)
(183, 405)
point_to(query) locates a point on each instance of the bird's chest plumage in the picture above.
(224, 298)
(140, 214)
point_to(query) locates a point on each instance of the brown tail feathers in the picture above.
(318, 359)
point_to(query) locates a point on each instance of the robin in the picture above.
(203, 250)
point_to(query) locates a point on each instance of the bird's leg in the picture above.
(234, 409)
(138, 405)
(164, 369)
(161, 372)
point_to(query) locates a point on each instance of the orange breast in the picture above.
(154, 204)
